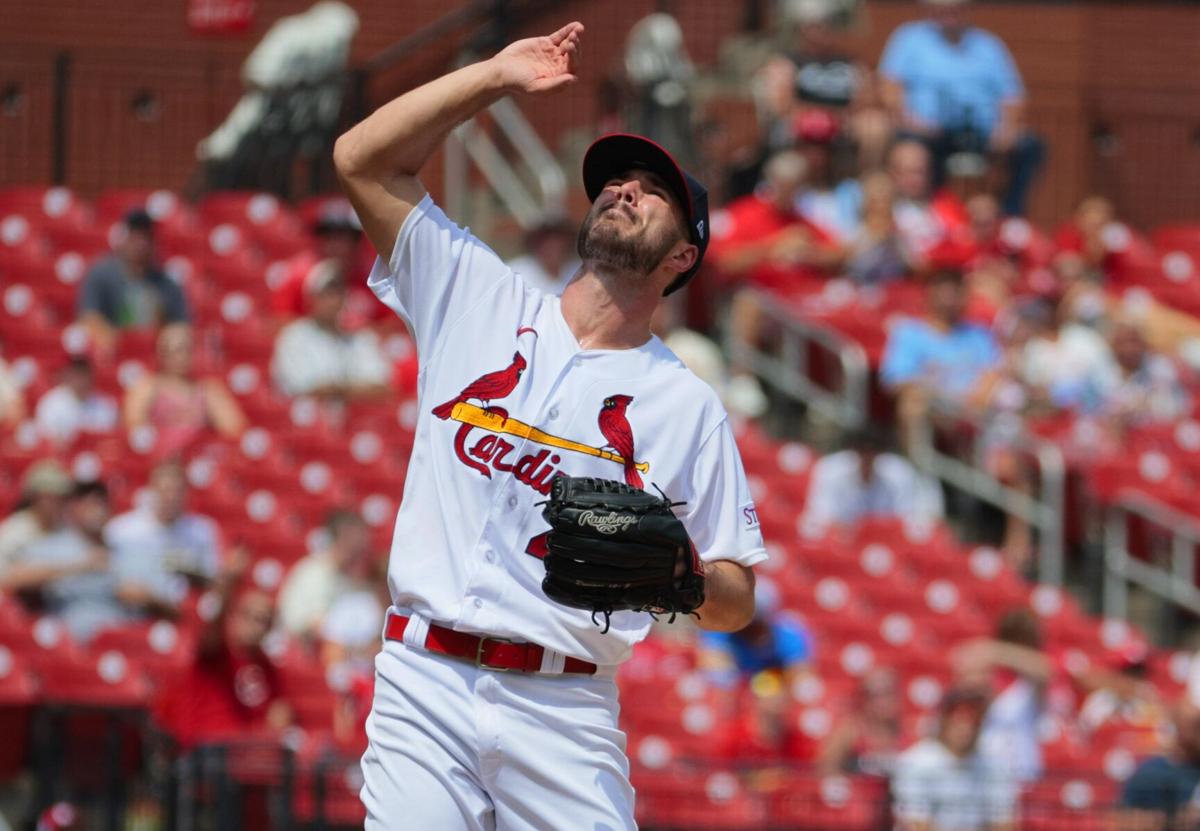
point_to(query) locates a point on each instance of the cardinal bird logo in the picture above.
(614, 425)
(487, 388)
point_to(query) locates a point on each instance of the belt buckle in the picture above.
(479, 662)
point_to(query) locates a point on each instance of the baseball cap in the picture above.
(815, 125)
(138, 219)
(326, 274)
(336, 215)
(47, 478)
(615, 153)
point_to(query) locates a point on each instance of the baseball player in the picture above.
(495, 705)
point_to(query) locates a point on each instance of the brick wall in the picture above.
(1122, 70)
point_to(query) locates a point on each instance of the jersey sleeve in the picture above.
(721, 518)
(436, 272)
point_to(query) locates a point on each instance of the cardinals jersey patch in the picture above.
(748, 515)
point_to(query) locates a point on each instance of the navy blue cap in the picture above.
(615, 153)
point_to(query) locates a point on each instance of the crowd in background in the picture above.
(909, 176)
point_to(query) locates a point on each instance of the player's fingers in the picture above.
(562, 34)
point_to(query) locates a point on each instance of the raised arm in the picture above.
(378, 160)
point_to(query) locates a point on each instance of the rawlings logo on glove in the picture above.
(613, 547)
(606, 524)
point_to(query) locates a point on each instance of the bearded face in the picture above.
(611, 238)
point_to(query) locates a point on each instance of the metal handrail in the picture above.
(1044, 512)
(1175, 583)
(469, 140)
(788, 371)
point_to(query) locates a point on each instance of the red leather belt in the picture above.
(488, 653)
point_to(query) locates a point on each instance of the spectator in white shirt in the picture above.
(158, 549)
(315, 582)
(316, 356)
(74, 406)
(550, 260)
(68, 570)
(866, 480)
(44, 490)
(943, 783)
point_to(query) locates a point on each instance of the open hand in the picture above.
(543, 64)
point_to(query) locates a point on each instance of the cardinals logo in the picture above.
(490, 387)
(614, 426)
(493, 451)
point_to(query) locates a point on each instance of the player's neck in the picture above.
(609, 311)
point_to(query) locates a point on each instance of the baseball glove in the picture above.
(613, 547)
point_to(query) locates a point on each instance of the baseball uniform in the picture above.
(508, 399)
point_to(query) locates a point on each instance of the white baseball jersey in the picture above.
(508, 399)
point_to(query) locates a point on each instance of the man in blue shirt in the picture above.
(1163, 792)
(940, 355)
(956, 87)
(774, 640)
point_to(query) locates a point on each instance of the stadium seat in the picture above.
(680, 799)
(1068, 805)
(18, 696)
(817, 803)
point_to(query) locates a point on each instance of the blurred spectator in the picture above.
(178, 405)
(868, 480)
(74, 406)
(350, 631)
(232, 689)
(774, 641)
(1084, 233)
(878, 253)
(44, 489)
(939, 356)
(829, 77)
(925, 218)
(763, 729)
(660, 75)
(549, 261)
(869, 733)
(68, 570)
(128, 290)
(315, 355)
(1161, 793)
(314, 584)
(762, 237)
(1120, 697)
(159, 548)
(706, 360)
(1064, 365)
(956, 87)
(943, 783)
(1015, 667)
(831, 201)
(12, 400)
(335, 235)
(761, 241)
(1146, 388)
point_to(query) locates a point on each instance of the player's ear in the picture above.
(682, 257)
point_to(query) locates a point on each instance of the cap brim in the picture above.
(616, 153)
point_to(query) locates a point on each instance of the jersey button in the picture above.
(478, 603)
(512, 502)
(490, 556)
(577, 361)
(553, 413)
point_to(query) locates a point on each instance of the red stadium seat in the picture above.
(713, 801)
(1068, 805)
(813, 803)
(18, 696)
